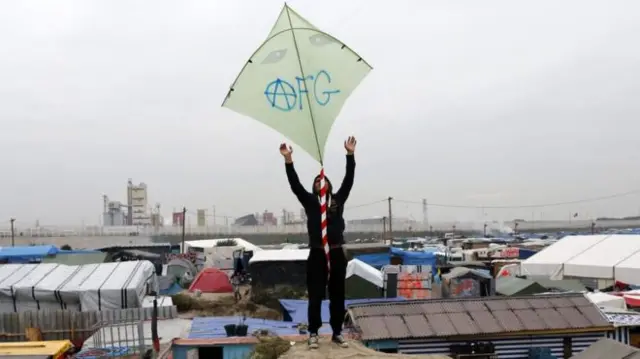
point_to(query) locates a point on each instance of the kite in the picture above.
(296, 82)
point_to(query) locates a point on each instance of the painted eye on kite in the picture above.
(320, 39)
(274, 56)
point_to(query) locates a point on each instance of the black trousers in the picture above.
(317, 285)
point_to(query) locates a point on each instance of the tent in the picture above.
(103, 286)
(512, 286)
(606, 300)
(362, 281)
(212, 280)
(178, 267)
(604, 257)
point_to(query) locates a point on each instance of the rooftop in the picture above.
(477, 316)
(608, 348)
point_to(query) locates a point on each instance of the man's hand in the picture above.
(350, 145)
(286, 152)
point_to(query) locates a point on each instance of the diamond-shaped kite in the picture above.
(297, 81)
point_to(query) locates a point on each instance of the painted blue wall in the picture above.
(382, 344)
(240, 351)
(236, 351)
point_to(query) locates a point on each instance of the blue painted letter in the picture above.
(327, 93)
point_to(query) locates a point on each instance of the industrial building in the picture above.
(136, 212)
(138, 205)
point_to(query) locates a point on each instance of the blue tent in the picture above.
(26, 254)
(295, 310)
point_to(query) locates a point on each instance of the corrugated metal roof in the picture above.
(470, 316)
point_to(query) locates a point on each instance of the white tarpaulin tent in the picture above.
(607, 257)
(104, 286)
(607, 300)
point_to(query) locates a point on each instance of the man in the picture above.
(317, 280)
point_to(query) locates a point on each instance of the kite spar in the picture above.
(296, 82)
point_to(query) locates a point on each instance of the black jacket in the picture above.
(335, 210)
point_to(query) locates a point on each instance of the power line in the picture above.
(366, 204)
(541, 205)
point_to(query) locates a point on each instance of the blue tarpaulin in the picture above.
(25, 254)
(379, 260)
(295, 310)
(213, 327)
(524, 253)
(175, 288)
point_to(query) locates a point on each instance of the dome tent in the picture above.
(211, 280)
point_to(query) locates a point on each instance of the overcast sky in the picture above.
(491, 103)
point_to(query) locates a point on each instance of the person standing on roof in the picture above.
(317, 277)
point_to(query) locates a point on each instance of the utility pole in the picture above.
(390, 218)
(184, 215)
(13, 233)
(425, 213)
(214, 215)
(129, 202)
(384, 229)
(284, 216)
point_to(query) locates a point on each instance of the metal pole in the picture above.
(384, 229)
(390, 218)
(184, 214)
(13, 233)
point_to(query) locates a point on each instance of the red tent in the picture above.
(212, 280)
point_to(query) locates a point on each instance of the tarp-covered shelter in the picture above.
(609, 258)
(26, 254)
(363, 281)
(280, 267)
(465, 282)
(211, 280)
(514, 286)
(352, 250)
(379, 260)
(218, 254)
(104, 286)
(607, 300)
(561, 285)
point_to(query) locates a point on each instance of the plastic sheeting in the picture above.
(25, 254)
(104, 286)
(295, 310)
(550, 261)
(379, 260)
(606, 300)
(365, 271)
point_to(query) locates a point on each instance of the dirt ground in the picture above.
(328, 350)
(221, 305)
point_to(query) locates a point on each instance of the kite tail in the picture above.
(323, 218)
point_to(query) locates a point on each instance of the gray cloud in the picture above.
(534, 100)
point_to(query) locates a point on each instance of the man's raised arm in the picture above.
(292, 176)
(347, 182)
